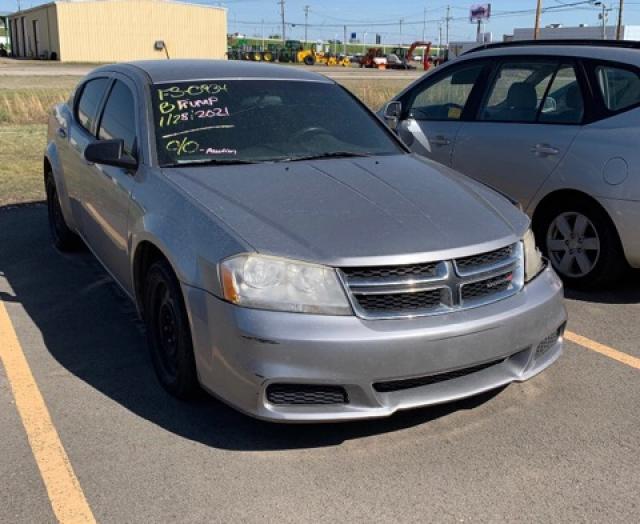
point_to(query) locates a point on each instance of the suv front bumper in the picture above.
(240, 352)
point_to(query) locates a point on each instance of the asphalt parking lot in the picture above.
(107, 442)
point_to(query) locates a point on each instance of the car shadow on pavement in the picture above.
(91, 328)
(625, 292)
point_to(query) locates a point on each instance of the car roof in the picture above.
(620, 54)
(177, 70)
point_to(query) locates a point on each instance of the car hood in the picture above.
(376, 210)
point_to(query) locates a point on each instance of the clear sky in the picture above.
(327, 17)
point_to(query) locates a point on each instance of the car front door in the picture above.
(434, 109)
(526, 122)
(74, 138)
(108, 189)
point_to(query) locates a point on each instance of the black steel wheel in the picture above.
(168, 332)
(63, 238)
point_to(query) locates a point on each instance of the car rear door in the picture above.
(525, 124)
(108, 189)
(435, 108)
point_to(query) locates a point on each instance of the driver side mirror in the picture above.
(110, 153)
(392, 112)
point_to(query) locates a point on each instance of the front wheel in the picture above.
(168, 332)
(582, 244)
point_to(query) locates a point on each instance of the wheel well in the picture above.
(564, 196)
(46, 168)
(146, 254)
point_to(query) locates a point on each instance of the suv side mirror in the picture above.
(110, 153)
(391, 113)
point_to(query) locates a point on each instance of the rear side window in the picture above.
(87, 108)
(118, 118)
(620, 87)
(564, 103)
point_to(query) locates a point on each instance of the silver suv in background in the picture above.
(553, 125)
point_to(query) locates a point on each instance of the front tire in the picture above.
(168, 332)
(582, 244)
(63, 238)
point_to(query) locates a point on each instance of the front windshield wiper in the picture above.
(212, 162)
(331, 154)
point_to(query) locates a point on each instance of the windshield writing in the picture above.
(256, 120)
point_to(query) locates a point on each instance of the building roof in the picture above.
(183, 70)
(48, 4)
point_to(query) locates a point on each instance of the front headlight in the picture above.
(279, 284)
(533, 262)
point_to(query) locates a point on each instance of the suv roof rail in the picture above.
(628, 44)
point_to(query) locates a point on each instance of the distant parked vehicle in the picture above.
(286, 251)
(554, 125)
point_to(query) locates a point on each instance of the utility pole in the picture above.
(401, 31)
(439, 38)
(536, 28)
(281, 2)
(619, 28)
(262, 25)
(344, 42)
(447, 26)
(424, 23)
(306, 21)
(603, 17)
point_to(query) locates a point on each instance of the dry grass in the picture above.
(21, 151)
(374, 93)
(23, 117)
(28, 106)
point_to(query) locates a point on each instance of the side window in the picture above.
(118, 118)
(446, 98)
(620, 87)
(563, 104)
(517, 91)
(87, 108)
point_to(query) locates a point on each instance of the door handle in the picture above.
(61, 132)
(440, 140)
(544, 150)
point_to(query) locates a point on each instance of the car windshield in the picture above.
(247, 121)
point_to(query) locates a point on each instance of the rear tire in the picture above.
(309, 60)
(63, 238)
(582, 244)
(168, 332)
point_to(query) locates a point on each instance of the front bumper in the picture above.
(240, 352)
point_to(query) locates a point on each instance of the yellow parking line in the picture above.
(607, 351)
(65, 494)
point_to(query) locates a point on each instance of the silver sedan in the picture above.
(285, 250)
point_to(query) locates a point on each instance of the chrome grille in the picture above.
(435, 287)
(417, 270)
(401, 301)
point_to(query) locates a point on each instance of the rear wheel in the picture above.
(309, 60)
(63, 238)
(168, 332)
(582, 244)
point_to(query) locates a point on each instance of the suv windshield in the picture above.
(238, 121)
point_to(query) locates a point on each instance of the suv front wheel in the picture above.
(582, 244)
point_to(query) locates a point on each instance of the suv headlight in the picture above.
(533, 263)
(279, 284)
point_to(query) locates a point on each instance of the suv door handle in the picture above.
(544, 150)
(440, 140)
